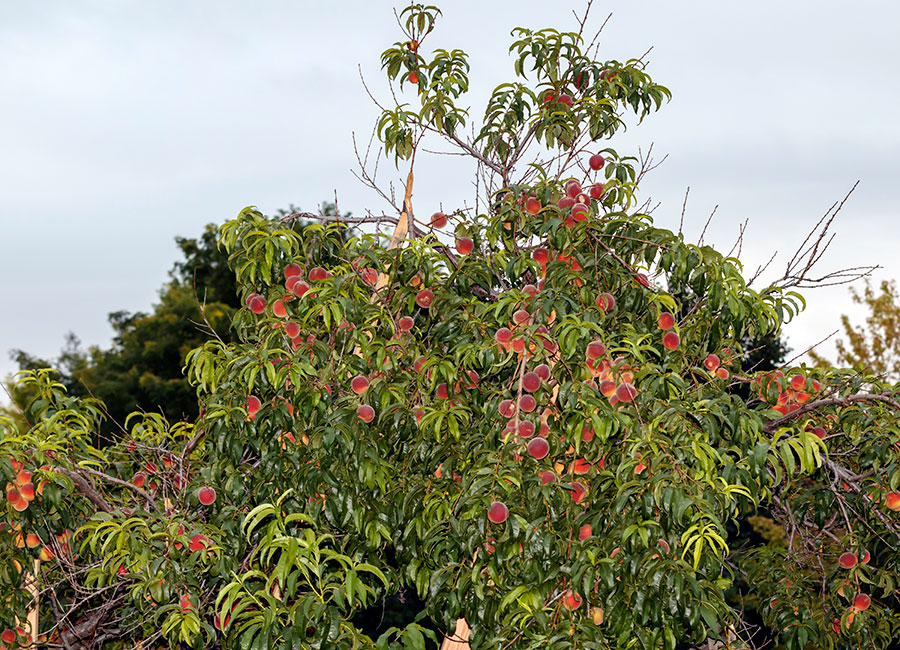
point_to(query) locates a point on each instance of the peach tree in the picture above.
(532, 411)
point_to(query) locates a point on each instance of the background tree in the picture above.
(144, 368)
(504, 409)
(872, 348)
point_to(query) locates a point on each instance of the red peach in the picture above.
(256, 304)
(538, 448)
(507, 408)
(503, 336)
(292, 271)
(605, 302)
(711, 362)
(579, 491)
(532, 205)
(547, 476)
(596, 191)
(543, 371)
(527, 403)
(531, 381)
(596, 161)
(666, 321)
(671, 340)
(861, 602)
(573, 188)
(299, 288)
(540, 255)
(438, 220)
(571, 599)
(206, 495)
(595, 350)
(359, 384)
(626, 392)
(584, 532)
(498, 512)
(279, 309)
(365, 413)
(318, 273)
(892, 500)
(465, 245)
(847, 560)
(292, 329)
(424, 298)
(405, 323)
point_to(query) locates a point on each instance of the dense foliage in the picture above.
(526, 426)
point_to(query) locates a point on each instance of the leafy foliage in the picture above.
(512, 432)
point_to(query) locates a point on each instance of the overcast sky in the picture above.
(127, 123)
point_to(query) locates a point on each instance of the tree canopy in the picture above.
(525, 412)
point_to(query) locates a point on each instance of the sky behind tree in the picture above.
(126, 124)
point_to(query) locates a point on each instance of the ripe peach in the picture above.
(540, 255)
(12, 493)
(585, 531)
(46, 554)
(279, 309)
(441, 391)
(819, 432)
(405, 323)
(498, 512)
(292, 271)
(465, 245)
(596, 191)
(565, 99)
(256, 303)
(503, 336)
(595, 350)
(608, 387)
(359, 384)
(538, 448)
(571, 599)
(424, 298)
(26, 492)
(524, 429)
(798, 382)
(527, 403)
(596, 161)
(531, 290)
(547, 476)
(531, 382)
(666, 321)
(626, 392)
(605, 302)
(580, 212)
(8, 636)
(206, 495)
(292, 329)
(438, 220)
(671, 340)
(23, 477)
(861, 602)
(318, 273)
(507, 408)
(253, 405)
(543, 371)
(847, 560)
(521, 316)
(532, 205)
(32, 540)
(579, 491)
(518, 344)
(573, 188)
(711, 362)
(365, 413)
(413, 77)
(892, 500)
(566, 202)
(722, 373)
(139, 479)
(580, 467)
(299, 288)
